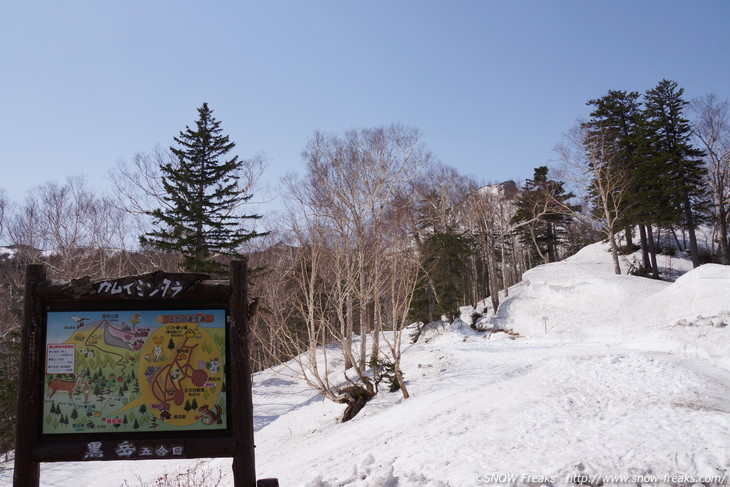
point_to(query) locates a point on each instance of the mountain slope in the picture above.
(598, 395)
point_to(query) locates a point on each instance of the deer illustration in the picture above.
(64, 386)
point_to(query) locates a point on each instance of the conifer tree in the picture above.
(674, 163)
(442, 288)
(616, 117)
(199, 215)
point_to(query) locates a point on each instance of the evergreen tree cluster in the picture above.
(650, 144)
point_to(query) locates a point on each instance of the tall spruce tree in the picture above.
(673, 163)
(616, 117)
(199, 217)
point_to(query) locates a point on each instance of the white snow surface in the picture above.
(631, 379)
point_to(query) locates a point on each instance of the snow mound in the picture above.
(703, 291)
(581, 299)
(583, 292)
(573, 295)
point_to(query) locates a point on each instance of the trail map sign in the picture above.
(153, 366)
(134, 371)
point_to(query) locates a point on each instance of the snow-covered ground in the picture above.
(631, 379)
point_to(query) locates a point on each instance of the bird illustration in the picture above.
(79, 321)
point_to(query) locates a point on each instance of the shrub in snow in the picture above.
(384, 371)
(196, 475)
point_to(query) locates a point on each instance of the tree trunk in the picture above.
(724, 249)
(355, 397)
(549, 237)
(485, 256)
(694, 250)
(363, 317)
(349, 331)
(375, 326)
(676, 239)
(652, 252)
(629, 237)
(644, 247)
(474, 287)
(401, 382)
(505, 286)
(614, 253)
(493, 281)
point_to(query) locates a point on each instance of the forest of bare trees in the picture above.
(379, 238)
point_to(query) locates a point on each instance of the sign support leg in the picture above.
(244, 465)
(27, 472)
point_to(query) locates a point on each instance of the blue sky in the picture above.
(491, 84)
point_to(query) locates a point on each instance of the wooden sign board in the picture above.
(142, 367)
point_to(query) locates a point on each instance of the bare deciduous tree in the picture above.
(4, 212)
(74, 231)
(588, 165)
(491, 211)
(273, 261)
(397, 279)
(711, 128)
(337, 212)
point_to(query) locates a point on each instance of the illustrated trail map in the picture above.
(134, 371)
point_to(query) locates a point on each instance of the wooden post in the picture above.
(244, 465)
(27, 472)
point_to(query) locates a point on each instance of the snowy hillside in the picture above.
(631, 379)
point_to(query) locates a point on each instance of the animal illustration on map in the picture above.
(207, 416)
(78, 320)
(69, 386)
(214, 365)
(86, 391)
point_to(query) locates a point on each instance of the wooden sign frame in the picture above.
(176, 292)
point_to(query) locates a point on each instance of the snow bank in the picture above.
(700, 292)
(574, 295)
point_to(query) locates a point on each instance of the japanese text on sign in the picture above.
(140, 288)
(60, 358)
